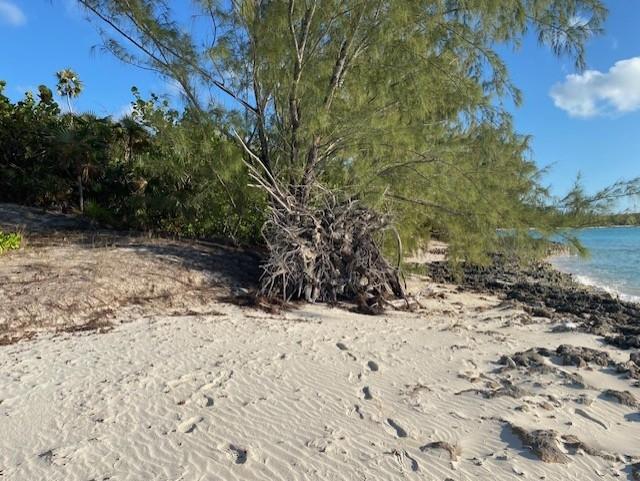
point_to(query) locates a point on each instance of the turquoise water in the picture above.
(614, 264)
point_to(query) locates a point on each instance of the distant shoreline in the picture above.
(616, 226)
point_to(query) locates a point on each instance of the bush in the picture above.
(156, 170)
(9, 241)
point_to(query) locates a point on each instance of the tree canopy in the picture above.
(398, 103)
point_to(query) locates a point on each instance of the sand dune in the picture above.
(317, 393)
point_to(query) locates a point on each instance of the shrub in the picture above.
(9, 241)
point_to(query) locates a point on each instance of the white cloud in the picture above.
(11, 14)
(594, 93)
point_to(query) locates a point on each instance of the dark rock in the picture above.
(630, 368)
(529, 358)
(543, 292)
(623, 397)
(582, 356)
(623, 342)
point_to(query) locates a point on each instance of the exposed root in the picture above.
(328, 252)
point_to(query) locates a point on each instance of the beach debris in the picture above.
(584, 400)
(542, 291)
(630, 368)
(565, 327)
(533, 360)
(507, 388)
(547, 444)
(454, 450)
(623, 397)
(528, 358)
(543, 442)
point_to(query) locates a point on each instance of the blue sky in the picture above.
(588, 122)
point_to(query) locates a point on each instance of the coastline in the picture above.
(505, 374)
(543, 290)
(590, 283)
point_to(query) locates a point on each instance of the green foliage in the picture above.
(9, 241)
(192, 180)
(625, 219)
(396, 103)
(157, 169)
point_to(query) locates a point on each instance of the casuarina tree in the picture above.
(353, 113)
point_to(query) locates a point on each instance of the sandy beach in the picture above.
(223, 392)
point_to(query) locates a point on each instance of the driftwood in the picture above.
(325, 248)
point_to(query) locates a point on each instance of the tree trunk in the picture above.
(81, 193)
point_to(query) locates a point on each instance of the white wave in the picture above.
(588, 281)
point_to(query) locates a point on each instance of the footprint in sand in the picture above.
(373, 366)
(189, 425)
(367, 393)
(401, 433)
(404, 460)
(46, 456)
(238, 454)
(345, 349)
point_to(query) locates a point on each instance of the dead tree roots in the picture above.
(328, 252)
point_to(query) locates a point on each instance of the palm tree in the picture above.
(82, 145)
(134, 137)
(69, 85)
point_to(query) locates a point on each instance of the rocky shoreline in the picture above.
(544, 291)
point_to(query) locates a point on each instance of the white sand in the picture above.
(251, 396)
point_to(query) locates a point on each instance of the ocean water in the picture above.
(614, 262)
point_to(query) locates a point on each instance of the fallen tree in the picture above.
(324, 248)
